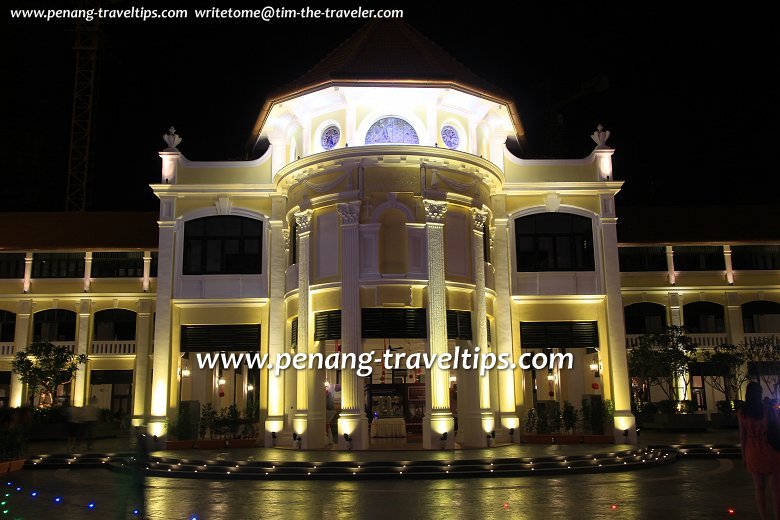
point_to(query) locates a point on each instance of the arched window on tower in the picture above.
(392, 130)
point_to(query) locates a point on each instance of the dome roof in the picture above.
(388, 53)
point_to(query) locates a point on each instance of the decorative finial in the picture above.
(172, 139)
(600, 137)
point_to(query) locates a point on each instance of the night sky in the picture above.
(690, 97)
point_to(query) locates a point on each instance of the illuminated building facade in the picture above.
(384, 210)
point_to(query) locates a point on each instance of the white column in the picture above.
(147, 270)
(351, 127)
(670, 265)
(729, 265)
(143, 333)
(87, 270)
(475, 419)
(352, 419)
(438, 418)
(503, 315)
(675, 309)
(28, 259)
(79, 389)
(618, 365)
(276, 317)
(734, 324)
(307, 422)
(161, 362)
(21, 341)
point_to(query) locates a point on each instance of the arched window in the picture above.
(703, 318)
(7, 326)
(761, 316)
(114, 325)
(645, 318)
(54, 325)
(389, 130)
(554, 242)
(223, 245)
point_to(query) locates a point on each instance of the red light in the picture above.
(506, 505)
(613, 507)
(731, 510)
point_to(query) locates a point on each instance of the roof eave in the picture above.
(282, 96)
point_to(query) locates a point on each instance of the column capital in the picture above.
(304, 220)
(349, 212)
(435, 210)
(479, 217)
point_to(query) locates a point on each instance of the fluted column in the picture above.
(276, 322)
(438, 417)
(352, 419)
(475, 418)
(503, 315)
(307, 424)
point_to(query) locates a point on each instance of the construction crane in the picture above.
(87, 39)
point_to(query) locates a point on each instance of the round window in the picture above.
(450, 137)
(330, 137)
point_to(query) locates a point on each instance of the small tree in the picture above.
(662, 359)
(44, 366)
(732, 374)
(765, 353)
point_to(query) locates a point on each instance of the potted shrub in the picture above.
(234, 426)
(176, 430)
(209, 424)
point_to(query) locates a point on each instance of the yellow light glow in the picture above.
(159, 398)
(488, 423)
(157, 428)
(347, 426)
(250, 387)
(274, 426)
(186, 372)
(299, 425)
(624, 422)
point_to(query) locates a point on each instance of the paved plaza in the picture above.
(688, 488)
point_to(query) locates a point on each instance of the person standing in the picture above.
(760, 458)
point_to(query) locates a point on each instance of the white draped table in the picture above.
(388, 427)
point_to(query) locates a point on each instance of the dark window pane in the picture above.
(755, 257)
(554, 242)
(223, 245)
(699, 258)
(58, 265)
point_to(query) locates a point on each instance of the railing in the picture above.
(709, 340)
(632, 340)
(753, 337)
(701, 340)
(7, 348)
(70, 344)
(111, 348)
